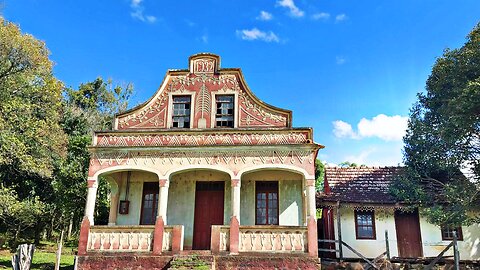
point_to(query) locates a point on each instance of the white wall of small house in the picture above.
(368, 247)
(433, 244)
(384, 220)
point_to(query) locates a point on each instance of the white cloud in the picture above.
(204, 38)
(265, 16)
(362, 157)
(378, 155)
(255, 34)
(340, 60)
(341, 17)
(138, 12)
(321, 16)
(136, 3)
(343, 130)
(387, 128)
(294, 10)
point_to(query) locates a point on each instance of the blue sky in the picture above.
(350, 69)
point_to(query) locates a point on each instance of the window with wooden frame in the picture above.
(365, 224)
(225, 110)
(447, 233)
(149, 203)
(266, 203)
(181, 111)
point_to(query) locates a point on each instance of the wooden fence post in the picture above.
(456, 253)
(339, 229)
(23, 259)
(59, 252)
(387, 246)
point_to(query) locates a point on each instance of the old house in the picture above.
(203, 165)
(358, 203)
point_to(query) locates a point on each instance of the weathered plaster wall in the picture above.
(181, 199)
(290, 195)
(134, 196)
(369, 248)
(431, 237)
(432, 241)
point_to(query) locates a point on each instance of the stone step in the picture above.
(193, 261)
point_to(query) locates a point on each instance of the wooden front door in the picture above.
(409, 238)
(209, 197)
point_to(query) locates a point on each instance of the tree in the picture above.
(18, 215)
(90, 107)
(319, 175)
(30, 101)
(442, 144)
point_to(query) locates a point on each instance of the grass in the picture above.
(44, 258)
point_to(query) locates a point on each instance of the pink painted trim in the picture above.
(83, 238)
(234, 235)
(158, 236)
(312, 237)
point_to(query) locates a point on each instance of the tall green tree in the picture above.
(89, 108)
(442, 144)
(30, 101)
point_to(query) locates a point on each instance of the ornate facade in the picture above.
(204, 164)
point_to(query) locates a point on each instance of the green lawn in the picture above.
(41, 261)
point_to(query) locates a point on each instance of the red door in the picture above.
(409, 238)
(209, 198)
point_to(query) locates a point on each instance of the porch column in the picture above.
(235, 220)
(114, 198)
(161, 220)
(91, 197)
(88, 216)
(311, 218)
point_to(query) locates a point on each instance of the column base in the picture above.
(312, 236)
(234, 235)
(83, 238)
(158, 236)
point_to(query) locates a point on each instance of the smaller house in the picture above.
(367, 210)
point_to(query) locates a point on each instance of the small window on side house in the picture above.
(266, 203)
(365, 224)
(225, 109)
(447, 233)
(181, 112)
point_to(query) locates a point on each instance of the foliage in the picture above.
(46, 129)
(86, 109)
(30, 101)
(348, 164)
(319, 175)
(443, 139)
(18, 215)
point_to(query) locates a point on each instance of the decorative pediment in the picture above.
(202, 84)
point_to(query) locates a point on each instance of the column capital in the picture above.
(163, 182)
(310, 182)
(92, 183)
(236, 182)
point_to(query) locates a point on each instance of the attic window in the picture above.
(447, 233)
(181, 112)
(365, 224)
(225, 108)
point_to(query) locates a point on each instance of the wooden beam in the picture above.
(339, 230)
